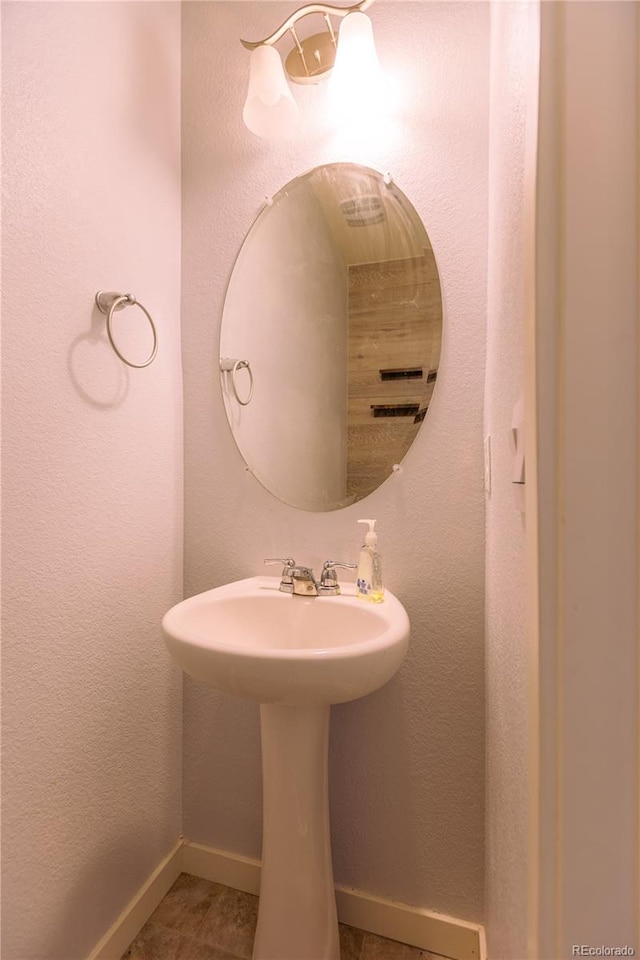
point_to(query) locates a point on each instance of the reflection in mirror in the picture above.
(332, 324)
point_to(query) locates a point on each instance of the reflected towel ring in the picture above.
(232, 366)
(107, 303)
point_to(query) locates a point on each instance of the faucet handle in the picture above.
(287, 564)
(330, 565)
(286, 580)
(329, 578)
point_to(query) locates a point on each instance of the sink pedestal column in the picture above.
(297, 912)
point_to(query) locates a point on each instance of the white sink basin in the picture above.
(250, 640)
(296, 656)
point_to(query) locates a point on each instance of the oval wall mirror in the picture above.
(330, 337)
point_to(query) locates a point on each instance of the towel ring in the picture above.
(107, 303)
(232, 367)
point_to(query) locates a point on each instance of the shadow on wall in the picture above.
(82, 919)
(365, 841)
(95, 371)
(227, 741)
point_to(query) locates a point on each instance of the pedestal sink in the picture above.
(295, 656)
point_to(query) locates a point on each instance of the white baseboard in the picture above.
(430, 931)
(230, 869)
(434, 932)
(140, 907)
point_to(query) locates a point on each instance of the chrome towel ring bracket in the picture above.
(108, 303)
(228, 365)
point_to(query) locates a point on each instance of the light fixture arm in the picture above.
(325, 8)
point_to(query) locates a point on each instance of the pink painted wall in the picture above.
(588, 378)
(512, 138)
(92, 466)
(407, 763)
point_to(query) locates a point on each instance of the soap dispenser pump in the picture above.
(369, 584)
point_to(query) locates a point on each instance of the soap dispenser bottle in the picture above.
(369, 585)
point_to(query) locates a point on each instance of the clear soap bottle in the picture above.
(369, 584)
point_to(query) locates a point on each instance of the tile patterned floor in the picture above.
(199, 920)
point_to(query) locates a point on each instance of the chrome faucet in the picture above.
(329, 586)
(301, 582)
(286, 580)
(304, 582)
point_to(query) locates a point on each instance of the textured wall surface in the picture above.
(513, 47)
(407, 763)
(588, 262)
(92, 466)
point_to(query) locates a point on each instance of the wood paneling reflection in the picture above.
(395, 321)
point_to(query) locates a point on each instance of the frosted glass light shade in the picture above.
(270, 110)
(357, 84)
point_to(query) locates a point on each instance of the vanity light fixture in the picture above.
(270, 110)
